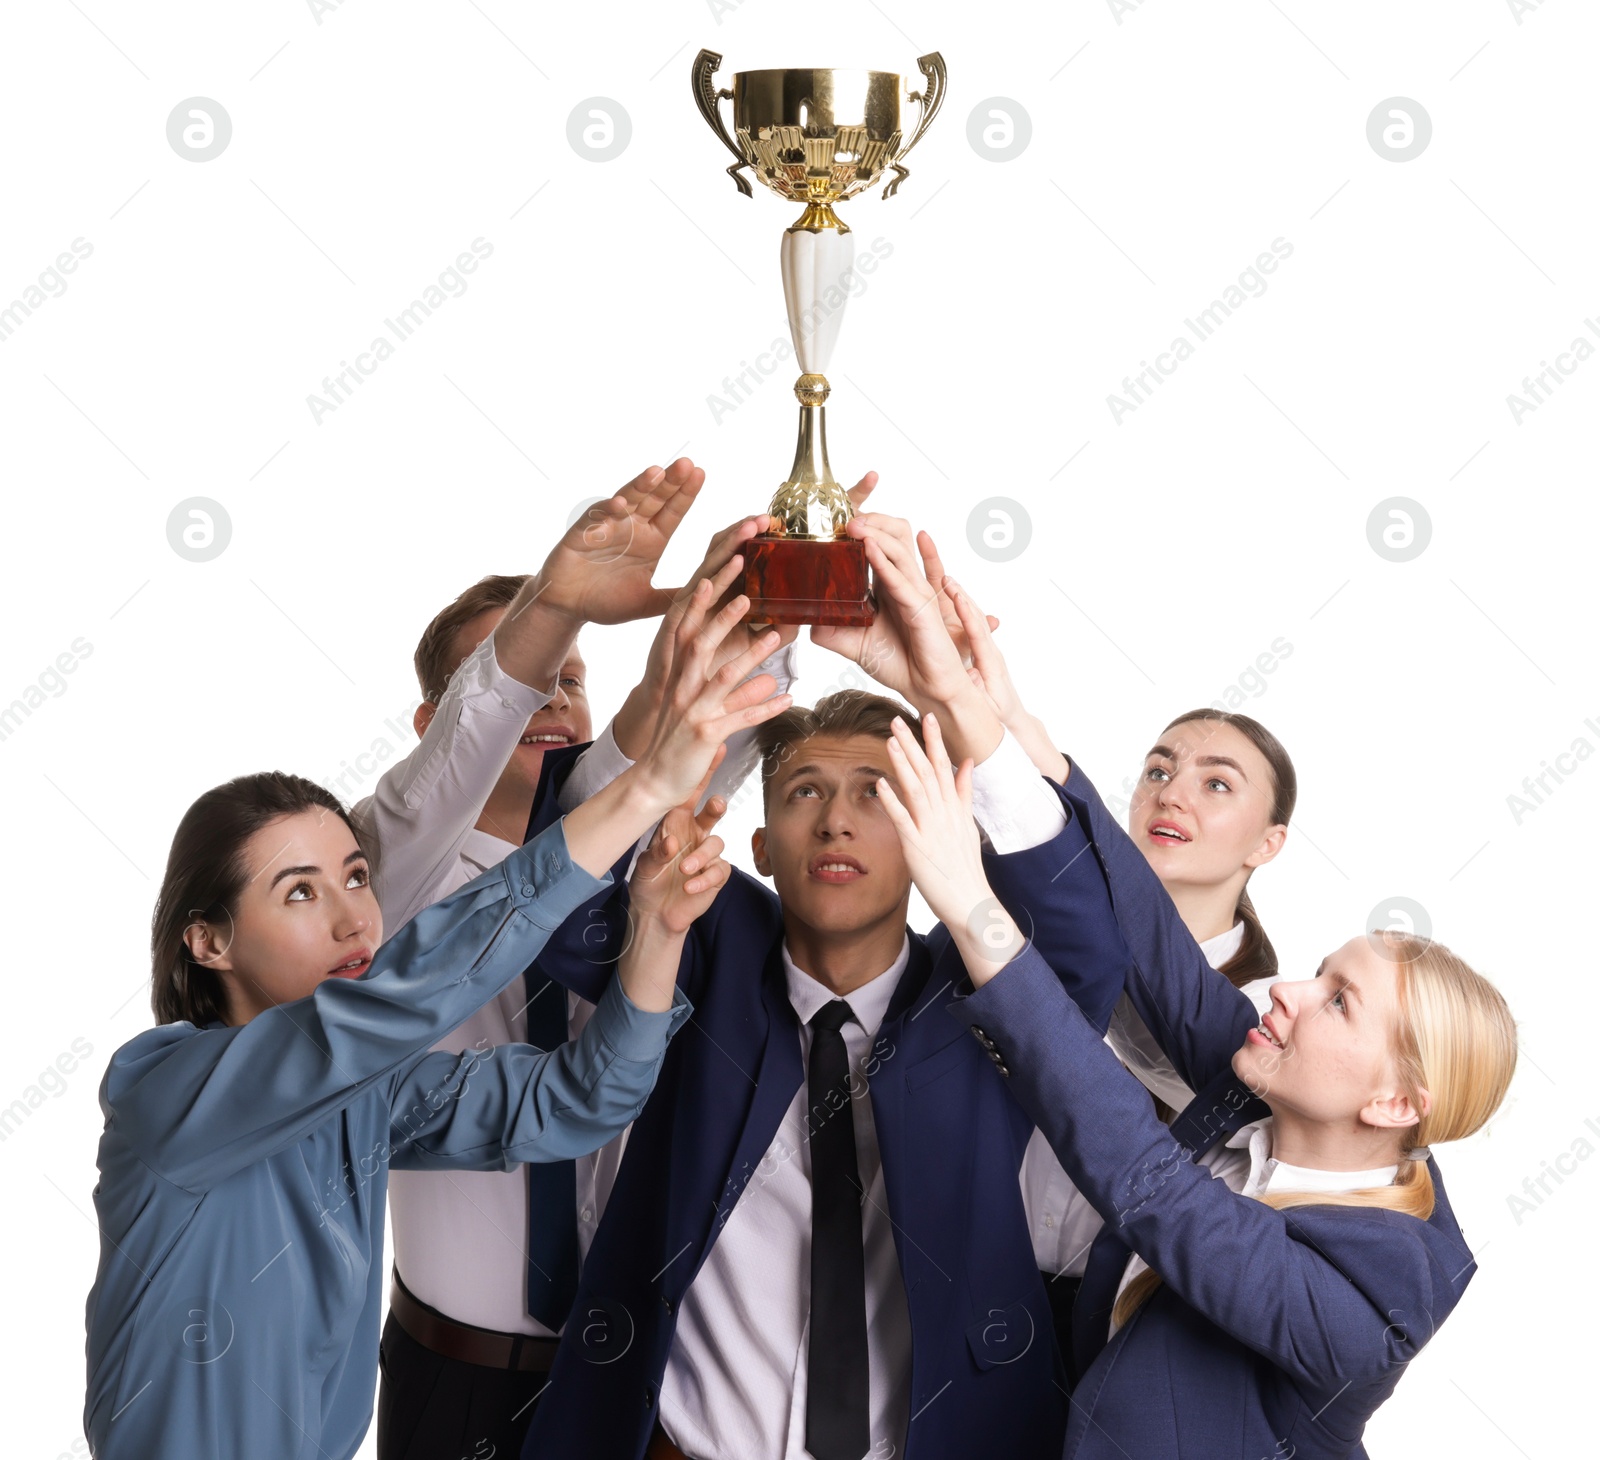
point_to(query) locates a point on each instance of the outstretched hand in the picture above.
(900, 648)
(908, 648)
(678, 876)
(722, 564)
(990, 674)
(732, 540)
(601, 569)
(931, 811)
(703, 704)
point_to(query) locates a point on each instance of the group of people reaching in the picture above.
(682, 1162)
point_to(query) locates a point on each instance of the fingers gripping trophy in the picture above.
(815, 137)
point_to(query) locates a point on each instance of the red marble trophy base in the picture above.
(801, 581)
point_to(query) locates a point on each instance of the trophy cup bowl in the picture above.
(815, 136)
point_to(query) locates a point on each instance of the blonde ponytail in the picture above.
(1455, 1039)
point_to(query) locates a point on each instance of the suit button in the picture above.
(649, 1399)
(1003, 1070)
(666, 1302)
(528, 889)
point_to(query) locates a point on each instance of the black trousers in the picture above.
(434, 1408)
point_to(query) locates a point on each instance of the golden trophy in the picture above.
(815, 137)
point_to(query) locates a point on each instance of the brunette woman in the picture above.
(249, 1136)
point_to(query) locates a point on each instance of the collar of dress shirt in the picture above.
(1220, 949)
(1267, 1173)
(869, 1003)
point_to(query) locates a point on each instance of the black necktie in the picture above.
(838, 1425)
(552, 1185)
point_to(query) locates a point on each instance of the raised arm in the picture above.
(487, 1110)
(619, 743)
(1253, 1270)
(426, 804)
(623, 738)
(199, 1105)
(972, 631)
(1197, 1017)
(1038, 863)
(655, 927)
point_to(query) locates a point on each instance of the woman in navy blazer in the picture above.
(1276, 1326)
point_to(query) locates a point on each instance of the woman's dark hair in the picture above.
(1256, 957)
(206, 872)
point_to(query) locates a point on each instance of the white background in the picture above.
(1170, 145)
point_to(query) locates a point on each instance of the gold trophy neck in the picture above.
(811, 506)
(817, 217)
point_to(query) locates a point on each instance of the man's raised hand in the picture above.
(931, 812)
(601, 569)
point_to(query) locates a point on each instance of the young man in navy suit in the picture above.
(770, 1278)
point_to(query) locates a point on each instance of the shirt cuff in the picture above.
(782, 664)
(1011, 803)
(632, 1032)
(543, 881)
(480, 678)
(596, 769)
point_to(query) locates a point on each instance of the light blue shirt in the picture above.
(243, 1170)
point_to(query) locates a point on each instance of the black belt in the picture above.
(485, 1347)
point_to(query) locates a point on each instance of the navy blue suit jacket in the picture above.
(985, 1374)
(1273, 1333)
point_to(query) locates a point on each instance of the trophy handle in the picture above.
(706, 97)
(931, 98)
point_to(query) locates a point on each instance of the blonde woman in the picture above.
(1270, 1311)
(1212, 806)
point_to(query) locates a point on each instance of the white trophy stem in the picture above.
(817, 269)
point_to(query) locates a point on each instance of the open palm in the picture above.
(910, 647)
(601, 569)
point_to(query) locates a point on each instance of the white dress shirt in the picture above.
(735, 1382)
(1061, 1220)
(1136, 1046)
(460, 1237)
(1246, 1164)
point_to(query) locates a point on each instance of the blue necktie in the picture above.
(552, 1185)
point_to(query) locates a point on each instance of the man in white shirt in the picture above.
(770, 1282)
(484, 1262)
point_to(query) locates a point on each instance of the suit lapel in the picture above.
(912, 982)
(888, 1058)
(778, 1073)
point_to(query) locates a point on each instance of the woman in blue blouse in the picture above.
(249, 1136)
